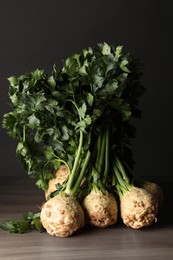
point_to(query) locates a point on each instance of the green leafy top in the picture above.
(56, 118)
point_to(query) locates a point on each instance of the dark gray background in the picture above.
(38, 33)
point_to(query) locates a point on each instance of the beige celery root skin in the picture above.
(62, 215)
(138, 208)
(101, 209)
(155, 190)
(61, 176)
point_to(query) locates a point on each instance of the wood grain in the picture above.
(18, 196)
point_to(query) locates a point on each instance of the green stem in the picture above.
(73, 175)
(82, 172)
(133, 177)
(115, 183)
(98, 150)
(120, 191)
(122, 170)
(106, 170)
(96, 168)
(62, 161)
(24, 134)
(101, 167)
(122, 185)
(75, 165)
(120, 181)
(100, 153)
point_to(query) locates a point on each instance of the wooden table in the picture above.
(19, 195)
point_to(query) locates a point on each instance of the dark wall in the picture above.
(38, 33)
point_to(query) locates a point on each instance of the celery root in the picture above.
(154, 189)
(62, 215)
(60, 177)
(138, 208)
(101, 208)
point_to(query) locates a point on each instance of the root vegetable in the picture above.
(62, 215)
(60, 177)
(155, 190)
(138, 208)
(151, 187)
(100, 205)
(101, 208)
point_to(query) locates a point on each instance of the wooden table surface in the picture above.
(19, 195)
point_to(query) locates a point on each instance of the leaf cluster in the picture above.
(28, 222)
(53, 116)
